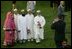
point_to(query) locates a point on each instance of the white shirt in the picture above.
(29, 20)
(39, 19)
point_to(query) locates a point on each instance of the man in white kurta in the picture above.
(22, 28)
(39, 22)
(30, 25)
(31, 5)
(16, 24)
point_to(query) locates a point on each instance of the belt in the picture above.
(10, 30)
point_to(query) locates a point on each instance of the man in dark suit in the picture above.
(59, 26)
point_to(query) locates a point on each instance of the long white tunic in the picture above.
(15, 20)
(22, 27)
(30, 25)
(31, 5)
(39, 32)
(16, 24)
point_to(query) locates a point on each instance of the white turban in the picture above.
(38, 11)
(15, 9)
(28, 10)
(22, 10)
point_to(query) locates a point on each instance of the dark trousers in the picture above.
(57, 43)
(58, 38)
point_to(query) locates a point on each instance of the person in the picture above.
(59, 26)
(52, 3)
(30, 23)
(64, 44)
(22, 27)
(16, 15)
(31, 5)
(13, 4)
(39, 22)
(61, 9)
(9, 28)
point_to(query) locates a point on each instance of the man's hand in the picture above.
(39, 23)
(55, 20)
(28, 30)
(4, 28)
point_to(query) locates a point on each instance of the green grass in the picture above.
(49, 14)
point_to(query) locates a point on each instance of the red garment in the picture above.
(9, 24)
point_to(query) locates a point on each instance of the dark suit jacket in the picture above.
(59, 28)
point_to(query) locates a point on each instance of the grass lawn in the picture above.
(49, 14)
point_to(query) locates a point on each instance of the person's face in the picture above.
(15, 12)
(64, 43)
(63, 4)
(22, 12)
(29, 12)
(38, 13)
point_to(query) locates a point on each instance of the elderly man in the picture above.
(39, 22)
(30, 23)
(61, 9)
(22, 27)
(31, 5)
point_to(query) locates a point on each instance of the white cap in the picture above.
(22, 10)
(15, 9)
(28, 10)
(38, 11)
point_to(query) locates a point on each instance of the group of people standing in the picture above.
(23, 27)
(28, 26)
